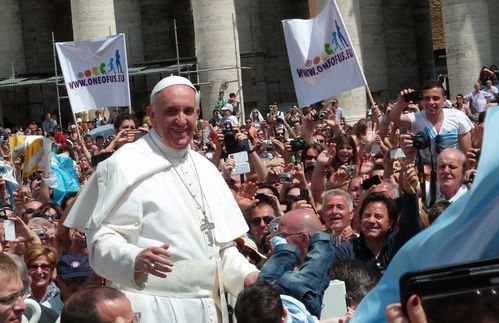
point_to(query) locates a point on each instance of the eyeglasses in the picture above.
(34, 267)
(256, 221)
(11, 300)
(438, 144)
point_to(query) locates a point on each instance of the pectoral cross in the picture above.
(207, 228)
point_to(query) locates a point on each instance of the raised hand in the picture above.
(326, 156)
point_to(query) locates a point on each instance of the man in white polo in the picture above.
(160, 220)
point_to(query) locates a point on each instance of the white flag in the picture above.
(95, 72)
(322, 59)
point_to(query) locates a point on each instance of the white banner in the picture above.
(322, 59)
(95, 72)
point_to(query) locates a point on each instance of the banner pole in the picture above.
(57, 81)
(176, 46)
(371, 99)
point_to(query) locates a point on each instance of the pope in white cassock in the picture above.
(160, 220)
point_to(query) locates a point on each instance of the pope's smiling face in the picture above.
(175, 114)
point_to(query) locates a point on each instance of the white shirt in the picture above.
(455, 123)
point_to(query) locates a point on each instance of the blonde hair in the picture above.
(37, 250)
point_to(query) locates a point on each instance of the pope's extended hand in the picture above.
(154, 261)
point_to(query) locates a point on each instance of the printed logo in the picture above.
(110, 72)
(334, 52)
(75, 264)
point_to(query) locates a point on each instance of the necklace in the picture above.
(206, 226)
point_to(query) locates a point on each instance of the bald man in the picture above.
(300, 242)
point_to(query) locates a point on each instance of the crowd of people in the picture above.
(169, 218)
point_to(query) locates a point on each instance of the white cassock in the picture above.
(137, 200)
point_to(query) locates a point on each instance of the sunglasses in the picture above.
(34, 267)
(48, 216)
(438, 144)
(307, 157)
(256, 221)
(28, 211)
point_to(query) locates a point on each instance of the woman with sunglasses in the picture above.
(49, 211)
(41, 261)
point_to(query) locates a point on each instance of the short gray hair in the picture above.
(338, 192)
(455, 150)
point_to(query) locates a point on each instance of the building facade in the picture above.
(401, 43)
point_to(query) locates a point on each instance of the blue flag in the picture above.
(67, 179)
(468, 230)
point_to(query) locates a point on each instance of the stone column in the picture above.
(215, 48)
(11, 38)
(374, 45)
(157, 29)
(467, 41)
(422, 25)
(37, 32)
(401, 46)
(11, 50)
(494, 30)
(251, 53)
(353, 102)
(93, 18)
(128, 21)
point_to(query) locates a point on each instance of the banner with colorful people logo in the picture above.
(322, 59)
(95, 72)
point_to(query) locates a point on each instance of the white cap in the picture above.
(228, 106)
(78, 120)
(169, 81)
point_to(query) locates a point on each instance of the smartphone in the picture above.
(241, 168)
(371, 181)
(397, 153)
(239, 157)
(304, 194)
(9, 230)
(465, 292)
(413, 96)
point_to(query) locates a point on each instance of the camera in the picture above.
(267, 144)
(274, 227)
(319, 116)
(40, 233)
(421, 141)
(230, 138)
(351, 169)
(298, 144)
(285, 177)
